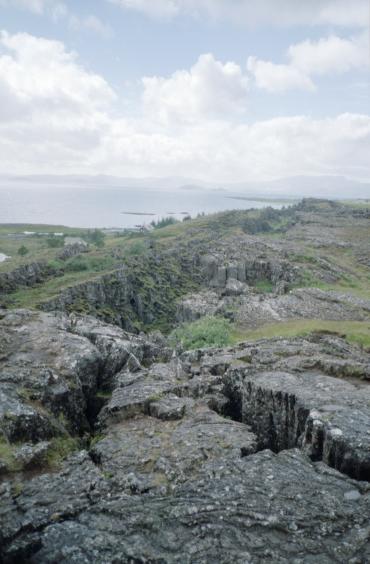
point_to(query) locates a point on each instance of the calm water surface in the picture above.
(98, 207)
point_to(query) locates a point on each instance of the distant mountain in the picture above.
(333, 187)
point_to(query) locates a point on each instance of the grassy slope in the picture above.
(353, 331)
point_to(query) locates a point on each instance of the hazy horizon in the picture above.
(224, 92)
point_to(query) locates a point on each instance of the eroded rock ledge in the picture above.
(255, 453)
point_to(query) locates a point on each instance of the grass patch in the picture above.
(103, 395)
(357, 332)
(359, 204)
(7, 456)
(206, 332)
(264, 286)
(60, 448)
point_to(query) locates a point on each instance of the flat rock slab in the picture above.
(265, 508)
(143, 453)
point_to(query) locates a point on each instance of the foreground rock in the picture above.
(255, 453)
(51, 368)
(262, 508)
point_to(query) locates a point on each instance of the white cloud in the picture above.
(57, 117)
(278, 78)
(221, 151)
(330, 55)
(40, 73)
(209, 88)
(246, 12)
(308, 59)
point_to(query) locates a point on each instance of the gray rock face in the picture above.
(324, 416)
(72, 250)
(25, 275)
(141, 292)
(251, 309)
(47, 375)
(51, 368)
(255, 453)
(234, 287)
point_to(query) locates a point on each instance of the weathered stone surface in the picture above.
(169, 408)
(262, 508)
(32, 456)
(27, 507)
(175, 471)
(46, 377)
(194, 306)
(327, 417)
(72, 250)
(52, 366)
(148, 452)
(234, 287)
(25, 275)
(251, 309)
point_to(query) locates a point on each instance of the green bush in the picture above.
(23, 251)
(96, 237)
(81, 263)
(264, 286)
(100, 263)
(76, 264)
(136, 249)
(55, 242)
(254, 225)
(163, 222)
(56, 264)
(206, 332)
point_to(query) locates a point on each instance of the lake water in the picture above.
(110, 207)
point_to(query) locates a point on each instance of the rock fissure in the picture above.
(284, 413)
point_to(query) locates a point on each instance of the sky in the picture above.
(219, 90)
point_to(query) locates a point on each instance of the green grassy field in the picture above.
(353, 331)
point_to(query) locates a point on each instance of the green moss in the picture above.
(24, 394)
(155, 397)
(60, 448)
(103, 395)
(7, 456)
(264, 286)
(17, 488)
(95, 439)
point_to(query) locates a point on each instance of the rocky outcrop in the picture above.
(72, 250)
(25, 275)
(248, 269)
(52, 369)
(324, 416)
(140, 294)
(252, 309)
(254, 453)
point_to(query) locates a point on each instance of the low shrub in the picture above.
(206, 332)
